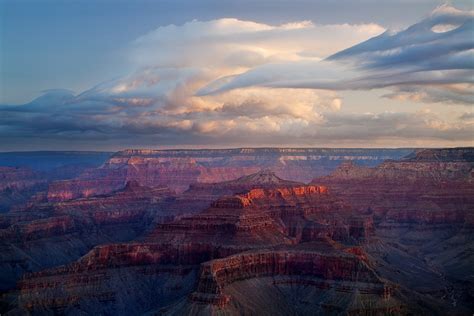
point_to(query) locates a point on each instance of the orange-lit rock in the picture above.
(178, 169)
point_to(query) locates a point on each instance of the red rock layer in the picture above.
(201, 195)
(215, 275)
(344, 270)
(281, 215)
(18, 178)
(134, 205)
(17, 185)
(48, 227)
(413, 190)
(261, 229)
(135, 254)
(88, 279)
(178, 169)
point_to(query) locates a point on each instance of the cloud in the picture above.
(231, 82)
(255, 123)
(434, 64)
(233, 44)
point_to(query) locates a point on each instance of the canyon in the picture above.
(23, 174)
(177, 169)
(244, 231)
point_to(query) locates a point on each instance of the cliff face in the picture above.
(175, 271)
(429, 187)
(133, 204)
(422, 207)
(24, 174)
(277, 213)
(69, 229)
(17, 185)
(178, 169)
(463, 154)
(215, 275)
(200, 196)
(18, 178)
(428, 178)
(345, 273)
(124, 278)
(390, 239)
(430, 191)
(252, 219)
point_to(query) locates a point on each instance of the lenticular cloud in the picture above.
(222, 81)
(434, 57)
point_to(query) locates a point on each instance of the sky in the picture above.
(108, 75)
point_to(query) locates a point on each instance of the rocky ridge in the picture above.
(178, 169)
(390, 239)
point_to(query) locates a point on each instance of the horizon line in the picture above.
(223, 148)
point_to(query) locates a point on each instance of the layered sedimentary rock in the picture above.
(325, 272)
(462, 154)
(69, 229)
(201, 195)
(24, 174)
(129, 205)
(433, 188)
(175, 272)
(17, 185)
(279, 212)
(228, 221)
(423, 209)
(178, 169)
(392, 239)
(18, 178)
(215, 275)
(119, 278)
(254, 218)
(426, 182)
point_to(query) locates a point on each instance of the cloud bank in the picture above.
(431, 61)
(229, 82)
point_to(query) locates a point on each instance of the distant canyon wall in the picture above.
(178, 169)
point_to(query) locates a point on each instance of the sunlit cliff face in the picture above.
(232, 82)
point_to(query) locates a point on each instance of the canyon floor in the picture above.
(267, 231)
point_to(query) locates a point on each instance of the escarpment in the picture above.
(148, 268)
(178, 169)
(361, 239)
(431, 185)
(69, 229)
(270, 215)
(422, 209)
(17, 185)
(217, 274)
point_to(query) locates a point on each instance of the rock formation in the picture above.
(276, 213)
(422, 207)
(17, 185)
(326, 272)
(396, 238)
(267, 211)
(24, 174)
(177, 169)
(69, 229)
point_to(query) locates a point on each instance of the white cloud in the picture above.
(233, 44)
(284, 91)
(429, 63)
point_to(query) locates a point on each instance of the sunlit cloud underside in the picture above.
(229, 82)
